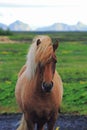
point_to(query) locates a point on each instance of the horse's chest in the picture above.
(39, 108)
(42, 115)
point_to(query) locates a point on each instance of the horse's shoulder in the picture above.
(22, 70)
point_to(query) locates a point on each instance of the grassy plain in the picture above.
(72, 66)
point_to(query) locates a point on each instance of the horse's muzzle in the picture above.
(47, 87)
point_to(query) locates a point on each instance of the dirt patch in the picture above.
(5, 39)
(64, 122)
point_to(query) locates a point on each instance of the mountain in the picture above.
(55, 27)
(64, 27)
(19, 26)
(3, 26)
(82, 27)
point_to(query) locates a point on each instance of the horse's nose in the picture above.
(47, 87)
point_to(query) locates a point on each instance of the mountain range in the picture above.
(16, 26)
(64, 27)
(21, 26)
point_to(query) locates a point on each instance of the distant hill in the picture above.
(19, 26)
(81, 27)
(16, 26)
(64, 27)
(3, 26)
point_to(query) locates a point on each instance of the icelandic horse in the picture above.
(39, 87)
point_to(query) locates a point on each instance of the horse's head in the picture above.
(46, 58)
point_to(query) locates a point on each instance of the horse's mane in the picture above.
(38, 53)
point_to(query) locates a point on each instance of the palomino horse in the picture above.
(39, 87)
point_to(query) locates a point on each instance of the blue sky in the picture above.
(39, 13)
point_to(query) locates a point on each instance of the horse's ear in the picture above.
(55, 45)
(38, 42)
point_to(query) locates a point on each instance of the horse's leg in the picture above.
(30, 124)
(40, 126)
(51, 122)
(50, 125)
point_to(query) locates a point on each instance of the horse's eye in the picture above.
(55, 61)
(41, 68)
(53, 67)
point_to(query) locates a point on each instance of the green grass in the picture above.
(62, 36)
(12, 57)
(72, 66)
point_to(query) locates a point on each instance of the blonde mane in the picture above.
(38, 53)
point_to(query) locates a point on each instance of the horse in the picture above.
(39, 88)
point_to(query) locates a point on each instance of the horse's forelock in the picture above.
(38, 54)
(31, 64)
(44, 50)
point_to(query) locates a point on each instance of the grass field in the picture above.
(72, 66)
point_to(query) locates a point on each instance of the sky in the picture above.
(38, 13)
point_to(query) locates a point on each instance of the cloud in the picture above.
(43, 12)
(38, 3)
(1, 14)
(25, 6)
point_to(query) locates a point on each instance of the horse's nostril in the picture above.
(44, 84)
(47, 86)
(52, 83)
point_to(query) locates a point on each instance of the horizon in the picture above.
(78, 22)
(40, 13)
(21, 26)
